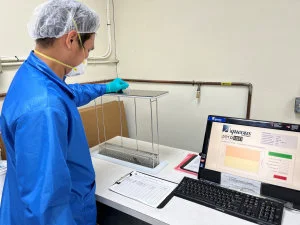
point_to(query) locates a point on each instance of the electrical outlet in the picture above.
(297, 105)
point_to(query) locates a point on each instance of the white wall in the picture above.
(205, 40)
(15, 41)
(212, 40)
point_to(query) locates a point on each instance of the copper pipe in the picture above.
(249, 101)
(188, 82)
(98, 81)
(228, 84)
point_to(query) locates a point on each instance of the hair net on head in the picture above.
(55, 18)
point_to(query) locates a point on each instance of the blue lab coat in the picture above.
(50, 177)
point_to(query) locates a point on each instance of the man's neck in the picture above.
(50, 56)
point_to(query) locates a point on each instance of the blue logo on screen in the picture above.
(216, 119)
(225, 128)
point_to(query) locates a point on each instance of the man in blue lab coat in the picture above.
(50, 177)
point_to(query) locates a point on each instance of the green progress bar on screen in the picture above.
(280, 155)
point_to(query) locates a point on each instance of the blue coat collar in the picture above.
(45, 69)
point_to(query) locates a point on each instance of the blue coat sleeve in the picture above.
(44, 178)
(84, 93)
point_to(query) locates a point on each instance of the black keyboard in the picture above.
(244, 206)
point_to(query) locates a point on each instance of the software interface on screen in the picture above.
(268, 155)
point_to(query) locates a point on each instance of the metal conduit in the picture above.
(194, 83)
(202, 83)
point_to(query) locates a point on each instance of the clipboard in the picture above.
(183, 164)
(144, 188)
(187, 162)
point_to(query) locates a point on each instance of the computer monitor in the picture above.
(264, 151)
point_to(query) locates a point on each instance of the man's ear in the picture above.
(71, 38)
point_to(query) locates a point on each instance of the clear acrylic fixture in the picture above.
(133, 150)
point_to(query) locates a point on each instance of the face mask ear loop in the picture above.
(79, 37)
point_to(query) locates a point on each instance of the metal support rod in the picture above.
(157, 128)
(136, 129)
(97, 121)
(153, 153)
(104, 129)
(151, 115)
(120, 121)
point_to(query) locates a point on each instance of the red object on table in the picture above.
(183, 162)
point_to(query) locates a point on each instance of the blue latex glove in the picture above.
(116, 85)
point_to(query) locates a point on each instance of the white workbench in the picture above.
(177, 211)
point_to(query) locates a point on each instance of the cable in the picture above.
(115, 40)
(97, 121)
(109, 48)
(290, 207)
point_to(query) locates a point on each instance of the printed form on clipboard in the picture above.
(144, 188)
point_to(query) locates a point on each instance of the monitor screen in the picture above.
(261, 150)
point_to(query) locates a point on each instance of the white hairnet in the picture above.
(54, 18)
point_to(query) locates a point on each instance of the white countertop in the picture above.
(177, 211)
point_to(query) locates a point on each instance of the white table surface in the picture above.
(177, 211)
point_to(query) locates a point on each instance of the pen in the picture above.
(122, 178)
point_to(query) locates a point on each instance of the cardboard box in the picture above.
(3, 153)
(89, 120)
(111, 120)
